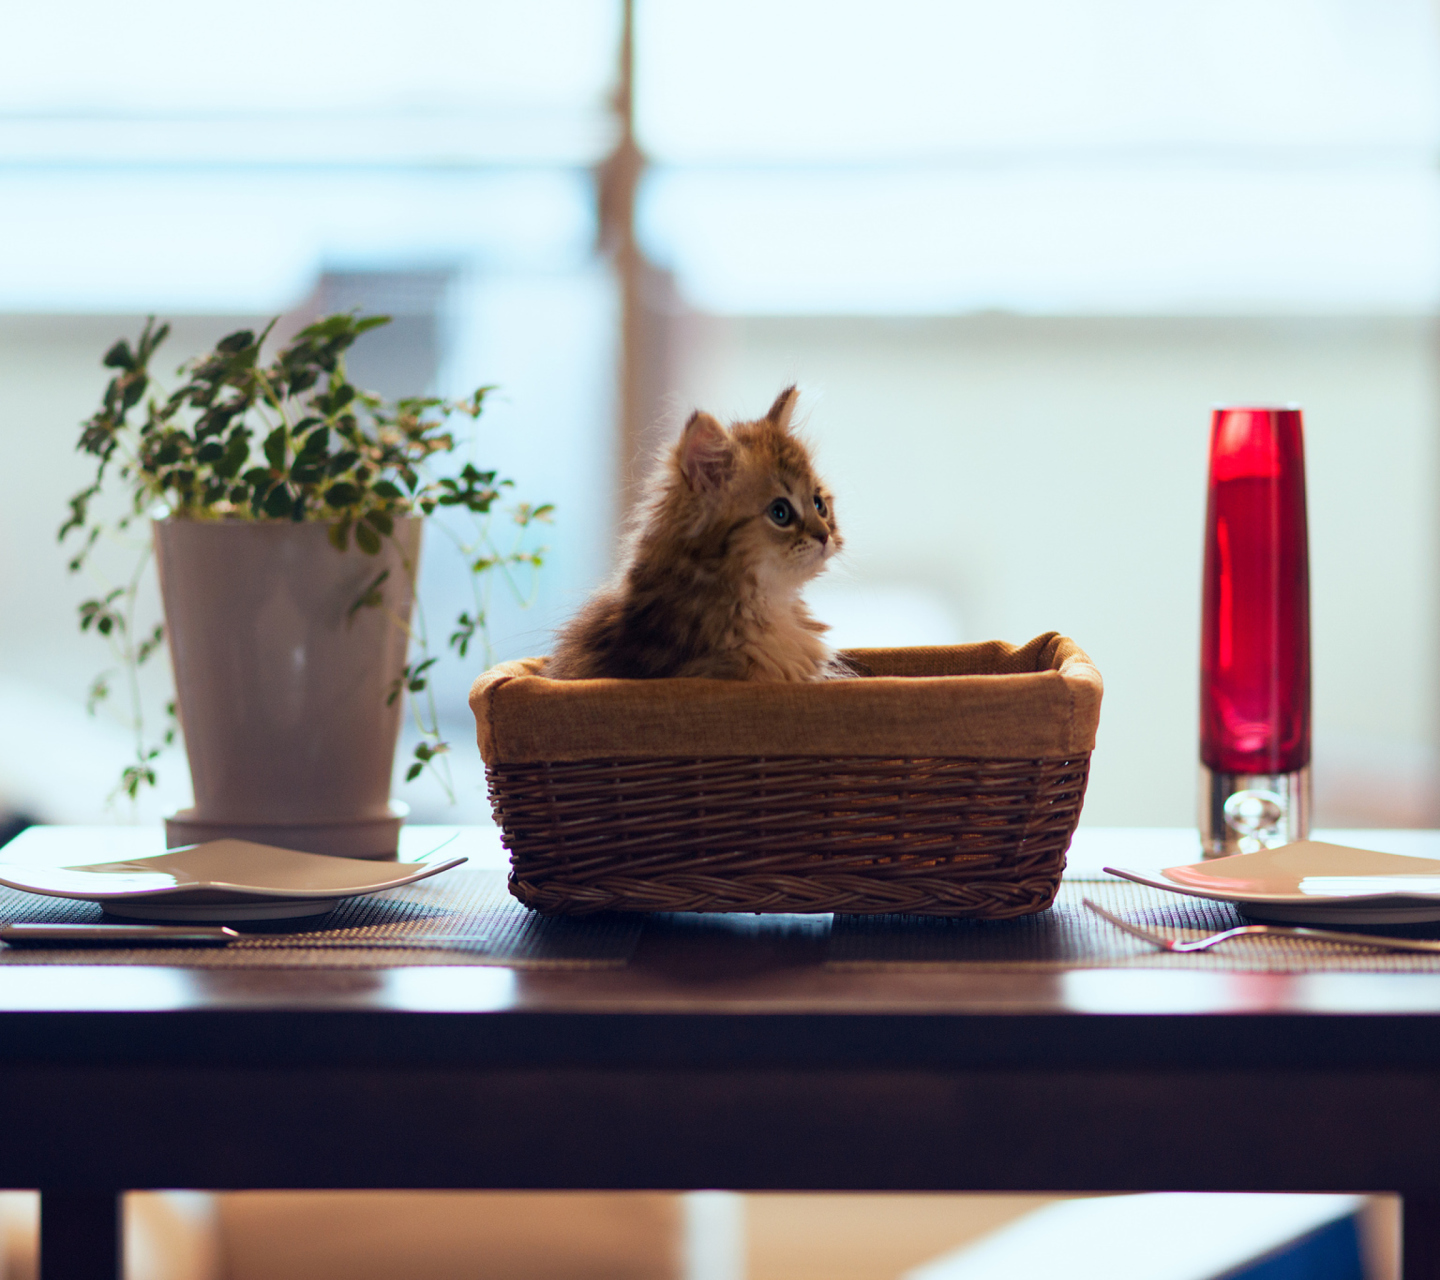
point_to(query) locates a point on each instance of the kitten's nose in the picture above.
(822, 537)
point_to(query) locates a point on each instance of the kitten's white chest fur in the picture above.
(778, 638)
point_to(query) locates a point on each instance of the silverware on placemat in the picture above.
(61, 936)
(1264, 930)
(116, 935)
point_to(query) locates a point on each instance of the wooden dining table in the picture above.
(722, 1055)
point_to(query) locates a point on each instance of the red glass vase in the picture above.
(1255, 635)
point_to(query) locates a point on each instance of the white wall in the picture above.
(1020, 474)
(543, 339)
(55, 762)
(1050, 473)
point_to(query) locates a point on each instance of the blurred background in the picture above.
(1013, 254)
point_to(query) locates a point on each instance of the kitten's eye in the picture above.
(820, 505)
(781, 512)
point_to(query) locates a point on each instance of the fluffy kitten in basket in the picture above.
(736, 522)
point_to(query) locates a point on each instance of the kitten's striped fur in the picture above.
(710, 585)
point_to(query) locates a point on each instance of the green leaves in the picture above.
(100, 615)
(245, 438)
(474, 490)
(425, 753)
(370, 598)
(367, 539)
(151, 338)
(325, 446)
(79, 514)
(279, 503)
(276, 445)
(465, 630)
(132, 388)
(236, 342)
(119, 356)
(334, 400)
(171, 448)
(237, 450)
(139, 774)
(149, 645)
(99, 691)
(412, 678)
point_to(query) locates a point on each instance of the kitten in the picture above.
(736, 524)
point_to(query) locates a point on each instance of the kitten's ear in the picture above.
(704, 453)
(783, 407)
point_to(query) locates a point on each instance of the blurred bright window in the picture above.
(1012, 252)
(1044, 156)
(217, 166)
(163, 155)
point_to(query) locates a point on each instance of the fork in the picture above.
(1267, 930)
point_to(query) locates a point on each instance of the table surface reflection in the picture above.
(726, 1054)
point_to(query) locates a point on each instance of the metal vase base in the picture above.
(360, 838)
(1247, 812)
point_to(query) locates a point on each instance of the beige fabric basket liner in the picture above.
(992, 701)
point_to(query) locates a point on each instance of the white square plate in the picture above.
(1311, 882)
(215, 881)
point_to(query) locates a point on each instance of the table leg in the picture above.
(80, 1235)
(1420, 1248)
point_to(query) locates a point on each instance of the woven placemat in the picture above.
(468, 916)
(1070, 937)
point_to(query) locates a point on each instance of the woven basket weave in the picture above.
(947, 782)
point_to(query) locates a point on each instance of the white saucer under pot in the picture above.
(216, 913)
(375, 837)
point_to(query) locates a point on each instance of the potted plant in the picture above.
(286, 508)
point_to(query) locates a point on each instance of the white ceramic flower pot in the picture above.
(282, 683)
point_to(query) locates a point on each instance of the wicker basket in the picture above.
(947, 782)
